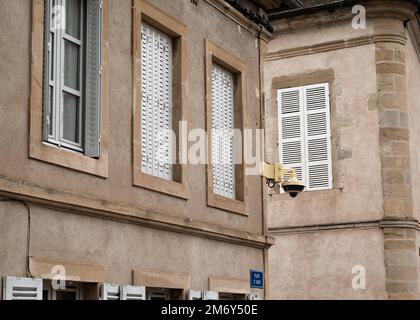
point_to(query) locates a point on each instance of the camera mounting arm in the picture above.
(275, 174)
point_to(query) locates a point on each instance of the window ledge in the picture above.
(70, 159)
(172, 188)
(226, 204)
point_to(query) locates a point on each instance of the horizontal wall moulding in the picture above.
(78, 204)
(374, 224)
(335, 45)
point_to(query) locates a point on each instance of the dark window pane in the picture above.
(65, 295)
(71, 65)
(73, 17)
(71, 118)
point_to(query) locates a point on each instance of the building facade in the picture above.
(341, 99)
(86, 106)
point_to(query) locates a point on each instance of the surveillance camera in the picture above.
(293, 187)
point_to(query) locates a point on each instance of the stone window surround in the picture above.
(47, 152)
(304, 79)
(218, 55)
(143, 11)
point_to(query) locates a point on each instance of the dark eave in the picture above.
(255, 17)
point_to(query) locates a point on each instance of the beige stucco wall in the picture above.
(120, 247)
(317, 264)
(202, 21)
(413, 96)
(321, 265)
(357, 194)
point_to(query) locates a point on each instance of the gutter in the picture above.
(276, 14)
(279, 14)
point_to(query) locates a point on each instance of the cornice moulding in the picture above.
(335, 45)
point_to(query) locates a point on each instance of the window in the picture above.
(156, 102)
(226, 114)
(72, 291)
(305, 134)
(72, 75)
(69, 116)
(222, 139)
(159, 45)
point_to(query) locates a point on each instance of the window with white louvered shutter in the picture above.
(22, 288)
(110, 291)
(222, 140)
(305, 134)
(156, 102)
(133, 293)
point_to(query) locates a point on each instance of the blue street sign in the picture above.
(257, 279)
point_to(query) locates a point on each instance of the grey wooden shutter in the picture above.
(222, 139)
(93, 78)
(22, 288)
(156, 102)
(318, 137)
(110, 292)
(133, 293)
(291, 130)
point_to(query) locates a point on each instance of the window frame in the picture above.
(304, 124)
(57, 62)
(143, 11)
(215, 54)
(46, 151)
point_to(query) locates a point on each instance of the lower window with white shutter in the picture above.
(159, 66)
(305, 134)
(22, 288)
(226, 111)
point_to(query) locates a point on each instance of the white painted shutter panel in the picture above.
(222, 132)
(22, 288)
(133, 293)
(318, 137)
(156, 102)
(291, 130)
(194, 295)
(110, 291)
(93, 77)
(210, 295)
(254, 296)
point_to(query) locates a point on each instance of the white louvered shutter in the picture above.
(194, 295)
(222, 140)
(254, 296)
(110, 291)
(156, 102)
(133, 293)
(22, 288)
(291, 130)
(318, 137)
(210, 295)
